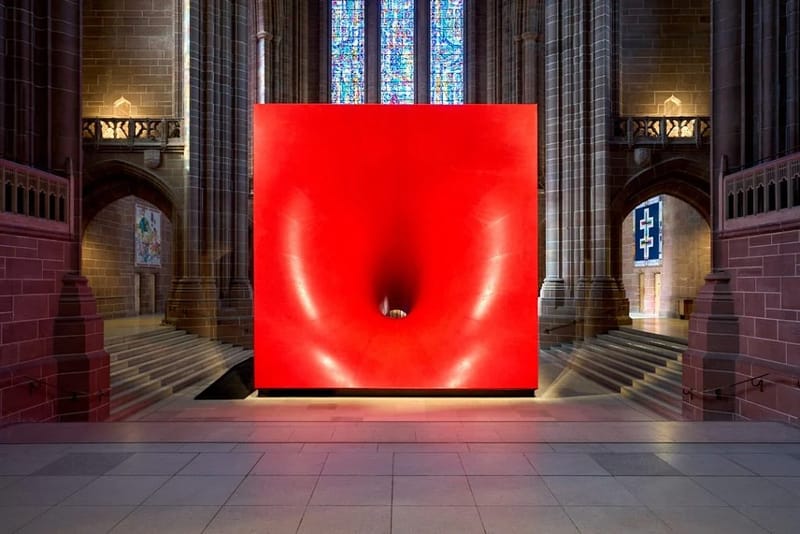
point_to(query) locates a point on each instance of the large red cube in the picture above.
(426, 210)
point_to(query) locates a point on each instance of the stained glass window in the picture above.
(347, 51)
(397, 51)
(447, 52)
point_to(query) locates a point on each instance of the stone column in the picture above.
(22, 50)
(579, 295)
(605, 306)
(792, 74)
(192, 301)
(713, 328)
(768, 79)
(555, 310)
(532, 91)
(4, 21)
(236, 315)
(530, 47)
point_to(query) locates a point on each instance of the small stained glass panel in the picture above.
(347, 51)
(447, 52)
(397, 51)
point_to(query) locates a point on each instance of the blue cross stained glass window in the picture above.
(347, 51)
(397, 51)
(447, 52)
(647, 231)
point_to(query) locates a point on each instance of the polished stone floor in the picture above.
(577, 458)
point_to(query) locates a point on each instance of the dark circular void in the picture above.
(396, 276)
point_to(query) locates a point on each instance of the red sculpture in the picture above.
(395, 247)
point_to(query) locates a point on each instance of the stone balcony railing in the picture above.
(661, 131)
(34, 198)
(106, 133)
(768, 193)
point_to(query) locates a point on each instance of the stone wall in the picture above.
(129, 50)
(765, 281)
(687, 259)
(664, 49)
(108, 262)
(31, 270)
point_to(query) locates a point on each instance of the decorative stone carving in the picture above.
(152, 159)
(642, 156)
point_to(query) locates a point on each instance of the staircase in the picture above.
(151, 366)
(643, 367)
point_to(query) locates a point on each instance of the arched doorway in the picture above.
(128, 239)
(674, 197)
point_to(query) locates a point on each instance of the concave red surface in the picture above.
(430, 207)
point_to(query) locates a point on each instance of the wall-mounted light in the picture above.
(117, 129)
(122, 108)
(676, 125)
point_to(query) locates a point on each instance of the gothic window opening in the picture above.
(380, 41)
(347, 51)
(740, 203)
(771, 197)
(397, 52)
(783, 194)
(447, 52)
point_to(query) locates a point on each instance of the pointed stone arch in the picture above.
(122, 286)
(682, 178)
(113, 179)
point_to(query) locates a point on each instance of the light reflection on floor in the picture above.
(563, 395)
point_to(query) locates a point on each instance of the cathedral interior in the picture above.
(143, 112)
(666, 271)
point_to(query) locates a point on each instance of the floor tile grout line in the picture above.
(227, 500)
(391, 496)
(311, 494)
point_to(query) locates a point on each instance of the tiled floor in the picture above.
(143, 479)
(575, 459)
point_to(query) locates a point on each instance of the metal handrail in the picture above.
(74, 395)
(571, 323)
(716, 393)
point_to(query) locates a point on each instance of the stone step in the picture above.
(170, 370)
(665, 409)
(663, 391)
(624, 357)
(143, 359)
(146, 396)
(223, 363)
(210, 364)
(622, 365)
(657, 355)
(640, 343)
(166, 361)
(128, 356)
(148, 367)
(676, 375)
(679, 341)
(578, 362)
(120, 343)
(643, 369)
(653, 340)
